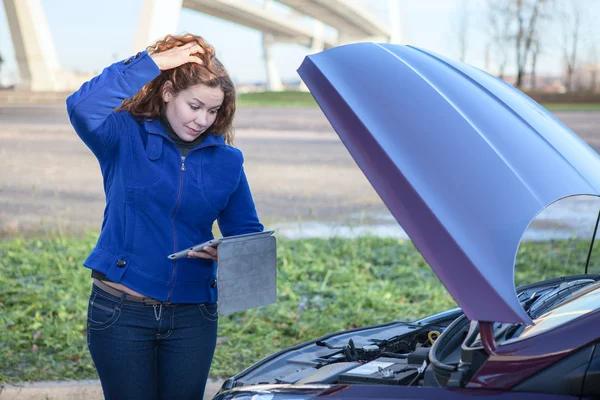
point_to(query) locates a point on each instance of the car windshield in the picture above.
(557, 241)
(586, 301)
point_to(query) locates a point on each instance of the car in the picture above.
(464, 162)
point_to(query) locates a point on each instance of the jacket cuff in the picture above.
(139, 70)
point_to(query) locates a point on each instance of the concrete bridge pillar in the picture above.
(34, 50)
(316, 45)
(158, 18)
(273, 78)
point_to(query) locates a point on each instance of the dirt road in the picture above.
(296, 165)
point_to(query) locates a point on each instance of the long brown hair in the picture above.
(148, 103)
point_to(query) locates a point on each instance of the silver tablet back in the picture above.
(247, 273)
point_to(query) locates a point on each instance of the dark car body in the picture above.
(464, 162)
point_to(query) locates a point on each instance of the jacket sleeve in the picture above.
(240, 215)
(91, 108)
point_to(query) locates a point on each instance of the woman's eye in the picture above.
(194, 107)
(213, 111)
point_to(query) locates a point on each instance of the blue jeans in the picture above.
(150, 350)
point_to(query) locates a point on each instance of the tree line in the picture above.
(518, 32)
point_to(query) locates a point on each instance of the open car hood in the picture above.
(462, 160)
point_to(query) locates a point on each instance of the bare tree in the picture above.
(463, 28)
(570, 18)
(543, 30)
(595, 65)
(528, 15)
(517, 22)
(499, 21)
(536, 50)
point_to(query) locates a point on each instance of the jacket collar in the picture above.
(154, 127)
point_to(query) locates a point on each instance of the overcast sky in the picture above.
(90, 34)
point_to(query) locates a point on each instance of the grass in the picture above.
(572, 106)
(305, 99)
(290, 98)
(323, 286)
(276, 99)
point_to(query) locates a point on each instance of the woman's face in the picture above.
(193, 110)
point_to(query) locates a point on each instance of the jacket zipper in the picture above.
(182, 169)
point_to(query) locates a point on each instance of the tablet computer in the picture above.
(217, 242)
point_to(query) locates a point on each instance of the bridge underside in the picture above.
(261, 19)
(40, 71)
(350, 19)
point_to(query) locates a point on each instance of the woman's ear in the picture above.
(167, 91)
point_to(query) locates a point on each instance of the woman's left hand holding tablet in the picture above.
(208, 252)
(177, 56)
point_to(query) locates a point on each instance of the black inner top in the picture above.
(184, 148)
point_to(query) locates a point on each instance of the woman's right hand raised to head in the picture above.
(177, 56)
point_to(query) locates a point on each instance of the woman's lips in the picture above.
(193, 131)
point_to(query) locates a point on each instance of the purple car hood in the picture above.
(462, 160)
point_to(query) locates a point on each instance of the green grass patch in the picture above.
(277, 99)
(572, 106)
(324, 286)
(305, 99)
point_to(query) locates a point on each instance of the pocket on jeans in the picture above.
(210, 311)
(102, 311)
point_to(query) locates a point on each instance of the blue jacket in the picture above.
(157, 202)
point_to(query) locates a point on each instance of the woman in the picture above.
(160, 125)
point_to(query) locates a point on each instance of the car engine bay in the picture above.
(443, 350)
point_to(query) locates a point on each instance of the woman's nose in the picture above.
(200, 119)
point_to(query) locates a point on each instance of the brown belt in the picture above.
(119, 293)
